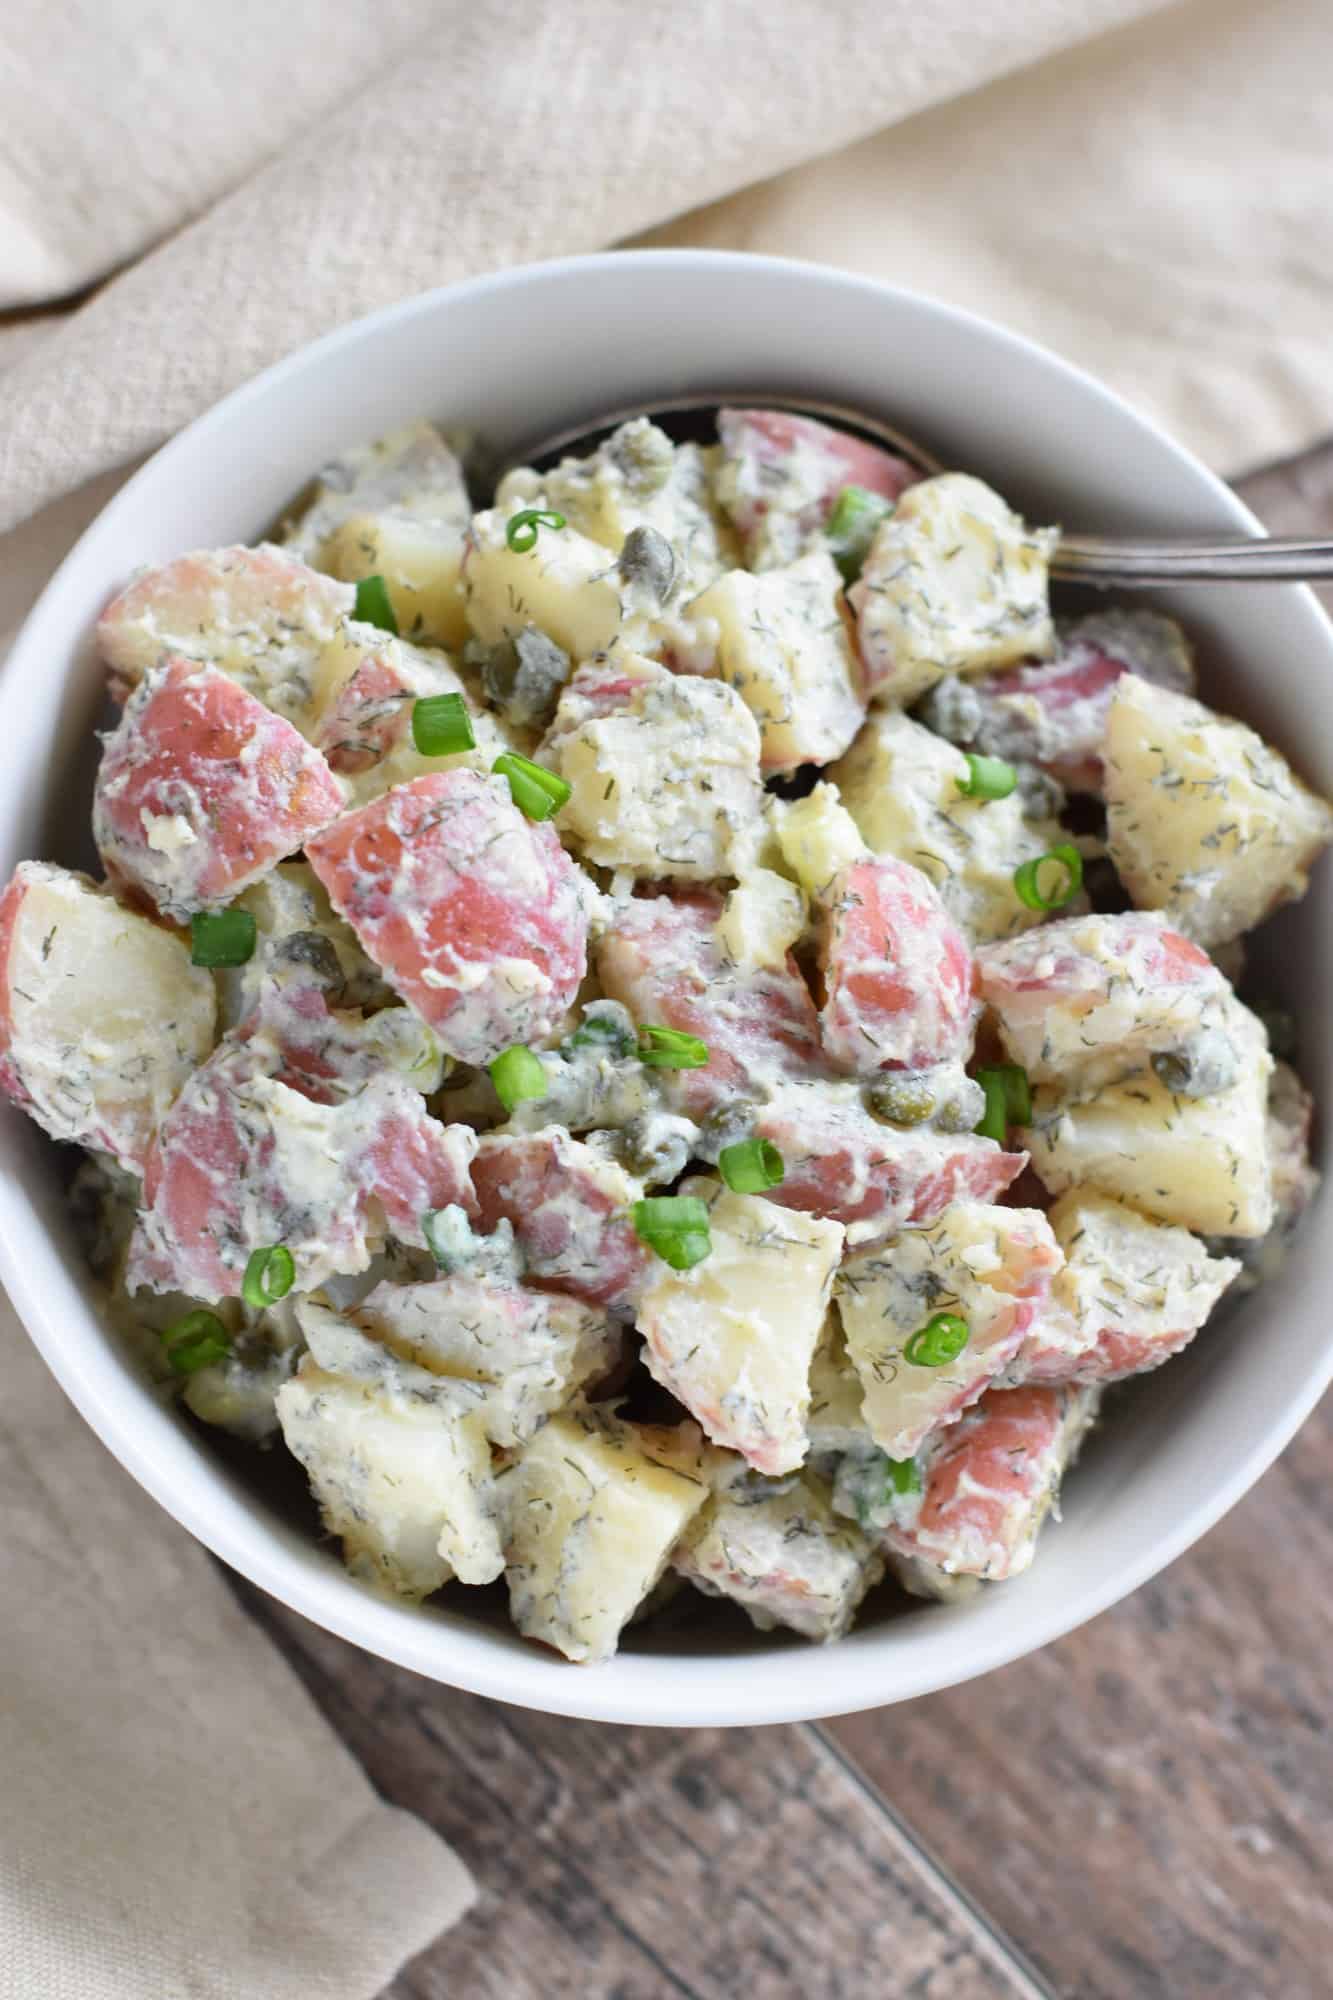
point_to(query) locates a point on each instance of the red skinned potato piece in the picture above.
(897, 971)
(202, 790)
(102, 1015)
(569, 1208)
(473, 913)
(302, 1143)
(873, 1178)
(992, 1479)
(783, 473)
(258, 614)
(661, 959)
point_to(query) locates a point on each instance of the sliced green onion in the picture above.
(941, 1339)
(196, 1340)
(269, 1276)
(518, 1074)
(851, 527)
(1027, 878)
(521, 528)
(987, 778)
(1008, 1100)
(536, 791)
(750, 1166)
(670, 1048)
(374, 606)
(903, 1475)
(448, 1235)
(441, 725)
(674, 1227)
(222, 937)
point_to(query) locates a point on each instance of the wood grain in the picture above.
(1147, 1806)
(628, 1864)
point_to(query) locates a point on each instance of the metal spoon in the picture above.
(1102, 560)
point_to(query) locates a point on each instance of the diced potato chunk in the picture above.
(780, 640)
(202, 790)
(1052, 713)
(900, 783)
(993, 1480)
(401, 1469)
(763, 918)
(102, 1015)
(257, 614)
(835, 1421)
(1204, 821)
(1091, 996)
(954, 582)
(636, 479)
(476, 915)
(990, 1266)
(781, 475)
(897, 971)
(1201, 1162)
(663, 958)
(1131, 1294)
(733, 1337)
(783, 1556)
(665, 784)
(594, 1509)
(366, 687)
(530, 1352)
(410, 475)
(873, 1178)
(565, 584)
(817, 837)
(296, 933)
(422, 566)
(569, 1208)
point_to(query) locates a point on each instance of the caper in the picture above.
(725, 1126)
(901, 1100)
(648, 558)
(642, 455)
(523, 677)
(312, 950)
(952, 709)
(656, 1148)
(1204, 1067)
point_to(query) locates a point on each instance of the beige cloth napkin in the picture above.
(1144, 186)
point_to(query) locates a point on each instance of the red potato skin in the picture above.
(209, 1166)
(252, 789)
(534, 1180)
(447, 865)
(897, 971)
(10, 1081)
(841, 1162)
(370, 716)
(184, 595)
(768, 437)
(1113, 1355)
(1009, 968)
(988, 1470)
(660, 958)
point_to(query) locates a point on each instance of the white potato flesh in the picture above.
(817, 837)
(990, 1266)
(637, 478)
(529, 1352)
(411, 474)
(781, 641)
(565, 584)
(422, 566)
(784, 1556)
(1132, 1293)
(763, 917)
(955, 582)
(835, 1421)
(102, 1015)
(664, 784)
(900, 783)
(1204, 821)
(593, 1510)
(733, 1337)
(293, 919)
(401, 1469)
(1202, 1162)
(1091, 996)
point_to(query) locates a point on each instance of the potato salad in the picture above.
(678, 1030)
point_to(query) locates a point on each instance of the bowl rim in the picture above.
(737, 1690)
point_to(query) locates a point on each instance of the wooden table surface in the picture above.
(1144, 1809)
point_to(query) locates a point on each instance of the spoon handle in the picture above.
(1097, 560)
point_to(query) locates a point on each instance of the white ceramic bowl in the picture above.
(535, 348)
